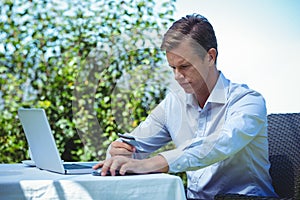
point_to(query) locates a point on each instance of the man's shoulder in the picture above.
(241, 97)
(239, 90)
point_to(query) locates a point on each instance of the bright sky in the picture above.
(259, 44)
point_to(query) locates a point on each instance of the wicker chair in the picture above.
(284, 150)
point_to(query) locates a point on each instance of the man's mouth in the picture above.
(184, 84)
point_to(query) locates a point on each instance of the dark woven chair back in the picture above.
(284, 150)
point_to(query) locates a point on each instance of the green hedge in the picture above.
(94, 66)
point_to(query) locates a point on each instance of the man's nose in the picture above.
(178, 74)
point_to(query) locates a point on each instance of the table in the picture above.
(18, 181)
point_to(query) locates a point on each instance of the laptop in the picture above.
(43, 148)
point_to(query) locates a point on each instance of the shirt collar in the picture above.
(217, 95)
(191, 100)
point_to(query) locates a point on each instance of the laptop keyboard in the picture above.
(76, 166)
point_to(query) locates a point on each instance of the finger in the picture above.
(98, 165)
(123, 169)
(129, 165)
(115, 165)
(118, 144)
(106, 166)
(120, 152)
(117, 149)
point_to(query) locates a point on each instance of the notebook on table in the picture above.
(43, 148)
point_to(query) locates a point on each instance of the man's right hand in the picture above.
(118, 148)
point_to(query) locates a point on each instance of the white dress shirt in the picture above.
(222, 147)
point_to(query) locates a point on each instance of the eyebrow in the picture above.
(183, 63)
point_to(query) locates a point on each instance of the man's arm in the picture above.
(150, 135)
(245, 122)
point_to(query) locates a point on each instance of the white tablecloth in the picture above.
(21, 182)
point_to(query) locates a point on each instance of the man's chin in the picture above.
(189, 90)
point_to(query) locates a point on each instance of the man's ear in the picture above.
(212, 55)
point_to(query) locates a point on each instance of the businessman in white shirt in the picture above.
(219, 128)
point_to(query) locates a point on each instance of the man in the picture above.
(219, 127)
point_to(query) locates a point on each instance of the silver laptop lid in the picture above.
(40, 139)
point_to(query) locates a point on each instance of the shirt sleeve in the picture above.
(245, 120)
(152, 133)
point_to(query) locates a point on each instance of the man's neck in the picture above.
(211, 81)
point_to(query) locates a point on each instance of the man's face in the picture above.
(189, 69)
